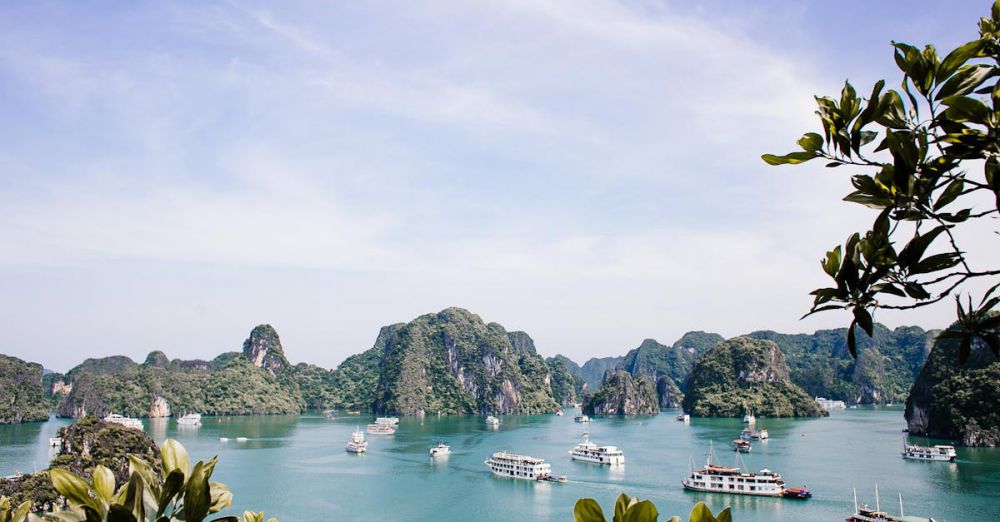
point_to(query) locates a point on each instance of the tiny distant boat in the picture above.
(683, 417)
(381, 429)
(492, 421)
(741, 446)
(441, 450)
(933, 453)
(191, 419)
(241, 439)
(581, 418)
(749, 418)
(797, 493)
(330, 412)
(223, 439)
(559, 413)
(590, 452)
(128, 422)
(510, 465)
(55, 442)
(387, 421)
(754, 434)
(830, 404)
(357, 444)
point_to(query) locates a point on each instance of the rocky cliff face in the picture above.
(567, 386)
(745, 374)
(957, 402)
(886, 366)
(668, 366)
(22, 397)
(263, 349)
(159, 408)
(595, 369)
(623, 394)
(453, 362)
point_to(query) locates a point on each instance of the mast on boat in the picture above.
(901, 514)
(877, 508)
(855, 499)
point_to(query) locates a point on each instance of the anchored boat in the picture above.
(128, 422)
(581, 418)
(935, 453)
(357, 444)
(720, 479)
(381, 429)
(441, 450)
(492, 421)
(741, 446)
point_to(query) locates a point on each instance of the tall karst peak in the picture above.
(263, 349)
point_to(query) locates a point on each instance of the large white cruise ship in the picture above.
(504, 464)
(128, 422)
(938, 453)
(719, 479)
(590, 452)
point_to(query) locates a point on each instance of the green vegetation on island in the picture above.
(957, 402)
(745, 374)
(568, 387)
(22, 398)
(624, 394)
(453, 362)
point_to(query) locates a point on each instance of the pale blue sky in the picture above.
(174, 173)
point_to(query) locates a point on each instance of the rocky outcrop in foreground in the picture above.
(744, 374)
(957, 402)
(624, 394)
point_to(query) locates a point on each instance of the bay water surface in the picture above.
(295, 467)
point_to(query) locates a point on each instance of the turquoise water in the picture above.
(295, 468)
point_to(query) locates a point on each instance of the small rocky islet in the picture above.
(453, 362)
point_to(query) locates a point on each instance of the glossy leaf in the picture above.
(174, 457)
(585, 510)
(642, 511)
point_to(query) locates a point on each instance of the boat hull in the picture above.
(599, 460)
(729, 492)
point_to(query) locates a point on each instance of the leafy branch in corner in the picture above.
(929, 154)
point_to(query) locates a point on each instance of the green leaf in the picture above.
(701, 513)
(726, 515)
(936, 262)
(864, 320)
(104, 482)
(852, 345)
(120, 514)
(958, 57)
(621, 505)
(965, 109)
(811, 142)
(965, 81)
(75, 489)
(174, 457)
(643, 511)
(197, 494)
(221, 497)
(588, 510)
(792, 158)
(952, 191)
(171, 487)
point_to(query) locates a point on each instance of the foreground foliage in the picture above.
(631, 509)
(933, 157)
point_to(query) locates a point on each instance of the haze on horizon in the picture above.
(175, 173)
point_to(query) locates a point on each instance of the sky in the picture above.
(588, 171)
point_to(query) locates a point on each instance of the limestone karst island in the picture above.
(588, 260)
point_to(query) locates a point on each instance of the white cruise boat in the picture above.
(581, 418)
(830, 404)
(590, 452)
(441, 450)
(381, 429)
(128, 422)
(936, 453)
(719, 479)
(510, 465)
(492, 421)
(387, 421)
(749, 418)
(191, 419)
(357, 444)
(754, 434)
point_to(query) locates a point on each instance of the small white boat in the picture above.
(830, 404)
(749, 418)
(683, 417)
(559, 413)
(387, 421)
(931, 453)
(754, 434)
(492, 421)
(357, 444)
(223, 439)
(55, 442)
(128, 422)
(581, 418)
(191, 419)
(241, 439)
(590, 452)
(381, 429)
(441, 450)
